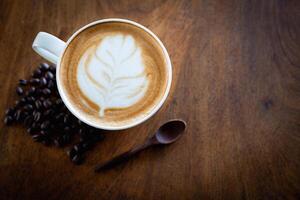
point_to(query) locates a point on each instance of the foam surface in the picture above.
(112, 74)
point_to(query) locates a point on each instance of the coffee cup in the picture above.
(112, 74)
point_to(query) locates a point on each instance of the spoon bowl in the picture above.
(170, 131)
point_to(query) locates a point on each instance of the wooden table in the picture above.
(236, 82)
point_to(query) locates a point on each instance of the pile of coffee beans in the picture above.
(42, 112)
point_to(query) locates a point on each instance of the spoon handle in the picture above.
(124, 156)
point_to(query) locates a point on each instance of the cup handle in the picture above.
(48, 46)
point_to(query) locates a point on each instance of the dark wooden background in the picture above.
(236, 82)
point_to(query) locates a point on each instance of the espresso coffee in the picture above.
(114, 73)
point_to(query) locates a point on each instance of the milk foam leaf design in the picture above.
(112, 73)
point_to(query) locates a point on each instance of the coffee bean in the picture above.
(77, 159)
(78, 147)
(10, 112)
(17, 115)
(47, 103)
(34, 81)
(49, 75)
(37, 116)
(50, 84)
(43, 81)
(45, 124)
(67, 129)
(8, 120)
(23, 100)
(48, 113)
(52, 68)
(31, 91)
(30, 99)
(34, 126)
(37, 137)
(42, 98)
(44, 66)
(58, 142)
(87, 145)
(46, 91)
(37, 73)
(71, 153)
(59, 116)
(28, 107)
(44, 133)
(66, 138)
(59, 102)
(23, 82)
(19, 91)
(30, 131)
(38, 104)
(66, 119)
(28, 121)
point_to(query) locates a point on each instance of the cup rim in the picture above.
(129, 125)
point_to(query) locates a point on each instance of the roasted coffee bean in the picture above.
(43, 81)
(23, 82)
(78, 147)
(28, 121)
(34, 81)
(66, 138)
(28, 107)
(87, 145)
(66, 119)
(37, 137)
(49, 75)
(10, 112)
(48, 113)
(67, 129)
(59, 116)
(47, 103)
(77, 159)
(45, 133)
(37, 116)
(32, 91)
(58, 142)
(44, 66)
(34, 126)
(50, 84)
(38, 104)
(17, 115)
(23, 100)
(59, 102)
(42, 98)
(37, 73)
(19, 91)
(46, 91)
(45, 124)
(30, 131)
(30, 99)
(8, 120)
(71, 153)
(52, 68)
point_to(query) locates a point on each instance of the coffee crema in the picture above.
(114, 73)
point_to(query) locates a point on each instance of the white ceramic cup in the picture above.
(52, 49)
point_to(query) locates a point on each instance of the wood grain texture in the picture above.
(236, 82)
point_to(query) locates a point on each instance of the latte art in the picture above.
(112, 73)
